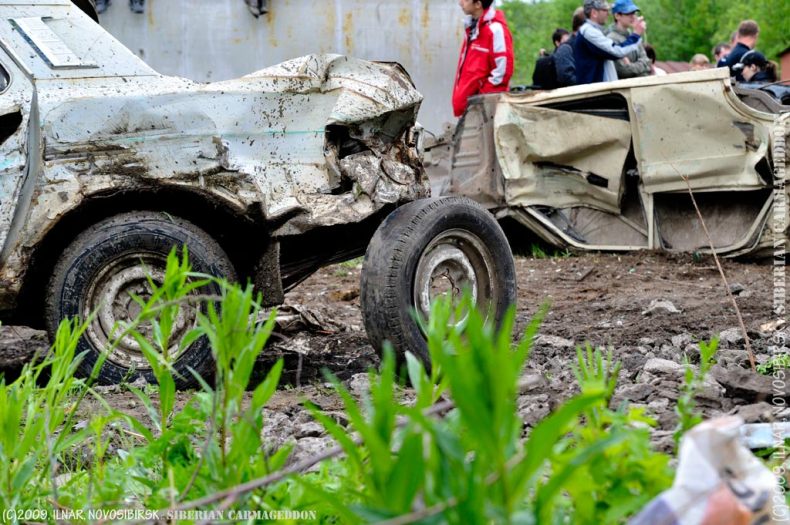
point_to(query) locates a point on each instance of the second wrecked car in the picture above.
(609, 166)
(106, 165)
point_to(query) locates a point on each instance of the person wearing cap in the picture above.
(745, 41)
(486, 61)
(756, 69)
(635, 63)
(594, 52)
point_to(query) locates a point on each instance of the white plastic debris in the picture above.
(718, 481)
(764, 435)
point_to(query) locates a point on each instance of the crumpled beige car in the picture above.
(105, 165)
(608, 166)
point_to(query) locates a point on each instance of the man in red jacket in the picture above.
(486, 62)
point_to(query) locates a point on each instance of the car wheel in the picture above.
(107, 264)
(425, 249)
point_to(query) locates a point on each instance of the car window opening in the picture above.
(9, 124)
(608, 106)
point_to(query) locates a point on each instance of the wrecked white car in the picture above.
(605, 166)
(106, 165)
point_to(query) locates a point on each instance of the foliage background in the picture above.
(678, 29)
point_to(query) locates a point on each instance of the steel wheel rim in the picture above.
(454, 261)
(109, 299)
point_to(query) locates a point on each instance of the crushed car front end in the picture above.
(322, 141)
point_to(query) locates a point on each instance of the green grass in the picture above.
(538, 251)
(584, 463)
(775, 363)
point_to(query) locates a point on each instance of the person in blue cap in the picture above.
(636, 63)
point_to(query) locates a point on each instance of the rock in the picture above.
(140, 382)
(532, 409)
(658, 406)
(658, 306)
(664, 367)
(663, 440)
(310, 429)
(106, 390)
(669, 352)
(747, 384)
(754, 413)
(667, 419)
(531, 382)
(712, 391)
(553, 341)
(681, 340)
(632, 392)
(359, 384)
(309, 447)
(731, 358)
(646, 341)
(277, 429)
(736, 288)
(633, 362)
(731, 336)
(18, 345)
(692, 352)
(669, 392)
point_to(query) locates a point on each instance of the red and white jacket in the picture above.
(486, 62)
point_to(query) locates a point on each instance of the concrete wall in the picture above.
(210, 40)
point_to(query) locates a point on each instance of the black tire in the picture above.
(401, 259)
(107, 261)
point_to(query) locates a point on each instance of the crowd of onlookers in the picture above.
(578, 53)
(594, 50)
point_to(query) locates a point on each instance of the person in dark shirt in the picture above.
(545, 76)
(721, 51)
(745, 41)
(564, 63)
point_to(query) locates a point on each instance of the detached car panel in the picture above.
(608, 166)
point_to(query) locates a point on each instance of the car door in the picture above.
(693, 133)
(16, 101)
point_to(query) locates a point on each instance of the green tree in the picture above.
(678, 29)
(532, 25)
(773, 16)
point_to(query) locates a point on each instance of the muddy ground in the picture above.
(650, 309)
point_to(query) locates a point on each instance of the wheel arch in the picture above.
(227, 225)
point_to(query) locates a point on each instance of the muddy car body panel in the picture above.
(608, 166)
(316, 142)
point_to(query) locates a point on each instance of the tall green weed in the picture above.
(457, 452)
